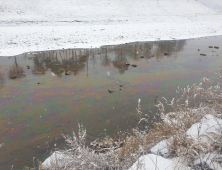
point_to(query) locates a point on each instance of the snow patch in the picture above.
(152, 162)
(161, 148)
(57, 157)
(209, 123)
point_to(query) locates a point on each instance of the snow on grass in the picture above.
(161, 148)
(207, 130)
(152, 162)
(55, 157)
(50, 25)
(208, 124)
(214, 162)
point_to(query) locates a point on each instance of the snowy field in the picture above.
(28, 25)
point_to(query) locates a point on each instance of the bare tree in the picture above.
(16, 71)
(2, 81)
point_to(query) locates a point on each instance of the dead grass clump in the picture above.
(128, 153)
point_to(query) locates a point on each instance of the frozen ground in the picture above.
(28, 25)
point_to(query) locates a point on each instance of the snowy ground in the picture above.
(28, 25)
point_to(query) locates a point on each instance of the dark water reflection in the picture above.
(39, 102)
(16, 71)
(1, 81)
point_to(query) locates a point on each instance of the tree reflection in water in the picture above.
(60, 61)
(120, 59)
(138, 50)
(39, 65)
(16, 71)
(105, 60)
(75, 60)
(2, 81)
(169, 47)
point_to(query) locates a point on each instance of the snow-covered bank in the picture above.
(202, 140)
(204, 133)
(60, 24)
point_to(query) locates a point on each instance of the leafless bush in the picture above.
(79, 156)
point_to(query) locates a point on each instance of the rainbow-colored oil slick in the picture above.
(39, 102)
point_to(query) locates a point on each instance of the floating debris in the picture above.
(28, 67)
(13, 77)
(37, 72)
(110, 91)
(203, 54)
(141, 56)
(216, 47)
(134, 65)
(210, 46)
(166, 54)
(127, 64)
(67, 73)
(120, 85)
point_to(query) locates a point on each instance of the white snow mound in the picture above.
(208, 124)
(161, 148)
(152, 162)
